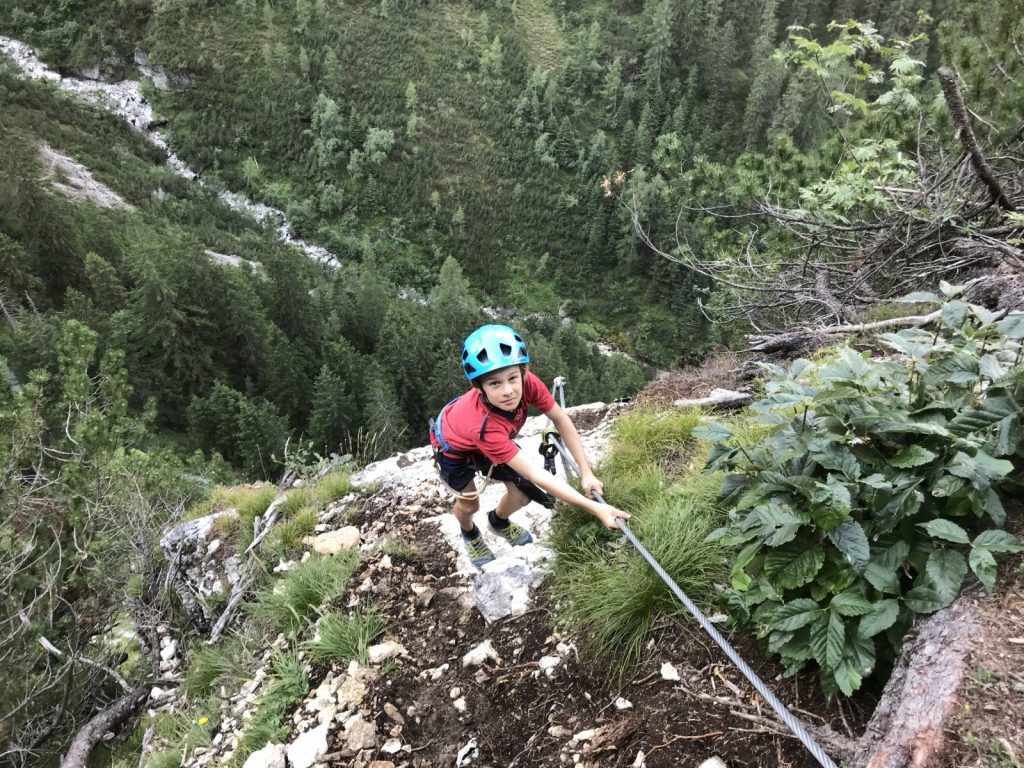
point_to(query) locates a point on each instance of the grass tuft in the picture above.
(609, 595)
(285, 538)
(342, 638)
(331, 487)
(400, 550)
(290, 603)
(212, 666)
(649, 437)
(611, 600)
(285, 686)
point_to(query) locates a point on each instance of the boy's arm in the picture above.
(571, 437)
(562, 491)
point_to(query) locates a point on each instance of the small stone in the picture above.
(303, 752)
(559, 732)
(460, 704)
(384, 651)
(622, 704)
(480, 654)
(351, 691)
(332, 542)
(362, 735)
(586, 735)
(271, 756)
(385, 562)
(212, 547)
(169, 650)
(381, 764)
(392, 746)
(669, 672)
(392, 711)
(713, 762)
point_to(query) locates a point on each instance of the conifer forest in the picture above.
(637, 186)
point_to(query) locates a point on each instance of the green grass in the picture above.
(652, 437)
(331, 487)
(284, 687)
(342, 638)
(290, 603)
(285, 539)
(400, 550)
(170, 758)
(609, 595)
(213, 666)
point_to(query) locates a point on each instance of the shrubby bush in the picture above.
(875, 491)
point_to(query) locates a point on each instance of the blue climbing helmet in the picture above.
(491, 347)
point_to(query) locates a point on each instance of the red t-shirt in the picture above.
(471, 425)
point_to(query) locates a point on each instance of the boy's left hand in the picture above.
(589, 483)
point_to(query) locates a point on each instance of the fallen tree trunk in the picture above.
(718, 399)
(800, 339)
(93, 732)
(907, 727)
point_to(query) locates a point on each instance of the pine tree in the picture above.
(565, 149)
(658, 39)
(767, 80)
(382, 414)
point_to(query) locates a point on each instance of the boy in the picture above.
(475, 431)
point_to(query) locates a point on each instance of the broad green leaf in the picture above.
(910, 343)
(848, 678)
(998, 541)
(883, 579)
(992, 466)
(994, 409)
(985, 316)
(861, 650)
(795, 614)
(793, 565)
(949, 290)
(850, 539)
(893, 557)
(835, 640)
(983, 563)
(923, 600)
(714, 431)
(912, 456)
(947, 485)
(882, 616)
(946, 530)
(946, 568)
(740, 581)
(1012, 326)
(850, 603)
(954, 313)
(992, 367)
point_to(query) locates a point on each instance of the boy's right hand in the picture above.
(608, 514)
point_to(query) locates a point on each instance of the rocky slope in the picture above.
(472, 670)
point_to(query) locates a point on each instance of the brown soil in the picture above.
(988, 728)
(519, 716)
(721, 370)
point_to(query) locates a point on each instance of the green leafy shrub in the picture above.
(875, 490)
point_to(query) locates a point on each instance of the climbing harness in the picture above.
(794, 724)
(479, 484)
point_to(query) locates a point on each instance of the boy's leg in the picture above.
(459, 474)
(513, 500)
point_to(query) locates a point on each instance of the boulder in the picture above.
(332, 542)
(271, 756)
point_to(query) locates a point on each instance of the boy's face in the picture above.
(503, 389)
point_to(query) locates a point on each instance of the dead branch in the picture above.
(964, 132)
(802, 338)
(113, 716)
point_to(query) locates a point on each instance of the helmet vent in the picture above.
(506, 349)
(482, 356)
(469, 370)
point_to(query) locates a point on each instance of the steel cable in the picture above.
(791, 721)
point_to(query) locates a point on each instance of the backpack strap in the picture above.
(437, 427)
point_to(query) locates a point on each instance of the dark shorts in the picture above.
(459, 472)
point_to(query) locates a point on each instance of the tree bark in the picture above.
(78, 753)
(964, 132)
(798, 339)
(907, 726)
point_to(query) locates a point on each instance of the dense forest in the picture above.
(660, 177)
